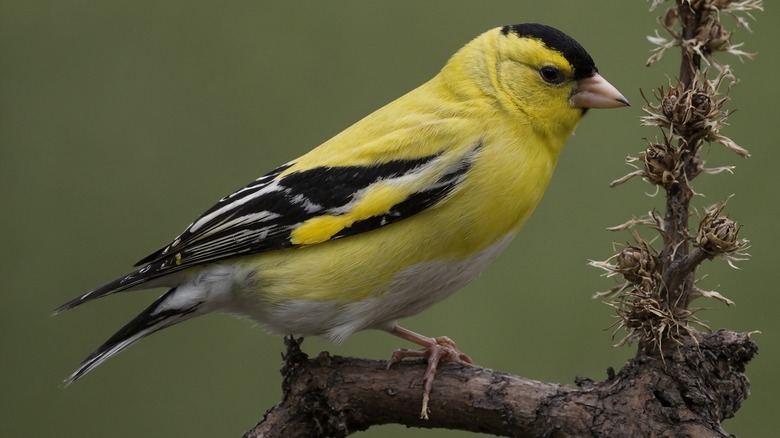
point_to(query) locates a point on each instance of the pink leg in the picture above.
(434, 349)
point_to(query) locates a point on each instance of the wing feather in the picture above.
(329, 202)
(264, 215)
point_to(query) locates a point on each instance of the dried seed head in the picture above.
(639, 311)
(647, 319)
(669, 104)
(675, 110)
(691, 117)
(712, 36)
(693, 113)
(637, 264)
(663, 166)
(718, 235)
(672, 100)
(701, 103)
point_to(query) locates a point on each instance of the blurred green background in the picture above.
(121, 121)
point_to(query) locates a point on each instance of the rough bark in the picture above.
(687, 392)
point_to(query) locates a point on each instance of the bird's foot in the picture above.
(438, 350)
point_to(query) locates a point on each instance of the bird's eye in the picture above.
(551, 74)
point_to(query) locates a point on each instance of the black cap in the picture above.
(554, 39)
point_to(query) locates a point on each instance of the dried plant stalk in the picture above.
(653, 301)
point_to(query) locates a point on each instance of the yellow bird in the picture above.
(390, 216)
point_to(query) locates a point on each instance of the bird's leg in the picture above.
(436, 350)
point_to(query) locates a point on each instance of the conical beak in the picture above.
(596, 92)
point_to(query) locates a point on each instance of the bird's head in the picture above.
(549, 76)
(539, 73)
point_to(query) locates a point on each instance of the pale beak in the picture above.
(596, 92)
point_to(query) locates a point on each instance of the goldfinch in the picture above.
(390, 216)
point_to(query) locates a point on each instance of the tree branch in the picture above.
(682, 269)
(687, 392)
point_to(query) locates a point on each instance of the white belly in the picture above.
(411, 291)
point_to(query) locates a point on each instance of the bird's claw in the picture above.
(443, 349)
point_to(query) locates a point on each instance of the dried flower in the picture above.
(718, 234)
(694, 114)
(663, 164)
(649, 319)
(710, 37)
(637, 264)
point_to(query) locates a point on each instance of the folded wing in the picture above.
(284, 209)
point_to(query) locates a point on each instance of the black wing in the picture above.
(262, 216)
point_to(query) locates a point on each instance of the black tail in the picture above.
(155, 317)
(149, 274)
